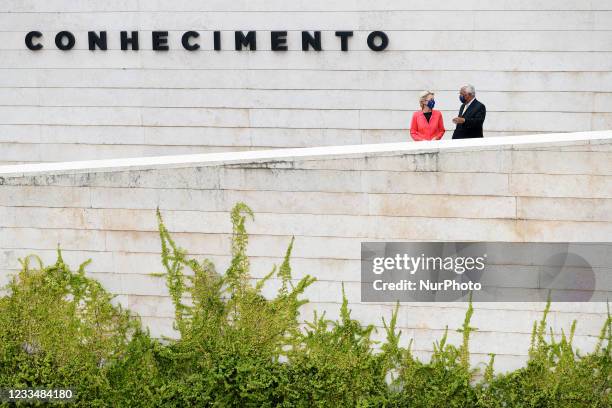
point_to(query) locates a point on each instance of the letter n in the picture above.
(309, 41)
(96, 40)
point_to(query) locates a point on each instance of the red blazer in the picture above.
(420, 129)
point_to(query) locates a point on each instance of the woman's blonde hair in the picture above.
(424, 96)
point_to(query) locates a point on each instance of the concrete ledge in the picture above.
(309, 153)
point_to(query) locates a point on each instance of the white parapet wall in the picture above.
(540, 66)
(546, 188)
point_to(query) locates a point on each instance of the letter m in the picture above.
(249, 40)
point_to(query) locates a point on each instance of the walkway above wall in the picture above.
(311, 153)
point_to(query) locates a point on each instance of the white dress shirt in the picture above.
(466, 107)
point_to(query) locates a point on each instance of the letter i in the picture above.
(217, 38)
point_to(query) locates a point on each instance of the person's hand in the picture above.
(458, 120)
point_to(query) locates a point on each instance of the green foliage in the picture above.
(334, 365)
(58, 328)
(446, 380)
(236, 348)
(556, 375)
(232, 339)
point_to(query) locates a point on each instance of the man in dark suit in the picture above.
(471, 115)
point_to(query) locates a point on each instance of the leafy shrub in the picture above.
(556, 375)
(446, 380)
(235, 348)
(58, 327)
(334, 365)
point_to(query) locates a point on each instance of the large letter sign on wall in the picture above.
(65, 40)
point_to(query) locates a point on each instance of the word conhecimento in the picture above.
(191, 40)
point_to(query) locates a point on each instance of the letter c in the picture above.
(185, 40)
(28, 40)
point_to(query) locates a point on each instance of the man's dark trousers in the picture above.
(474, 118)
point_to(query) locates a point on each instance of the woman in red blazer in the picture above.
(427, 123)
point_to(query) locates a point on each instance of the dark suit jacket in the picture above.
(474, 118)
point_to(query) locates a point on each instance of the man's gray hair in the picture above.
(469, 89)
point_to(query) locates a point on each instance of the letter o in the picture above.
(384, 40)
(59, 40)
